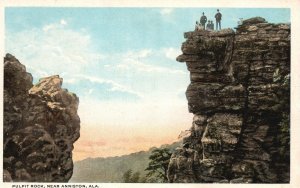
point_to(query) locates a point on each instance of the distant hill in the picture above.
(111, 169)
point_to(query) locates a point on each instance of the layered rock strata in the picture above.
(238, 102)
(40, 126)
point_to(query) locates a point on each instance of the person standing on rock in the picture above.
(197, 26)
(218, 17)
(208, 25)
(203, 20)
(240, 22)
(212, 26)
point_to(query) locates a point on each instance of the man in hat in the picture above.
(203, 20)
(218, 17)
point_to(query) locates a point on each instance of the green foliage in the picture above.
(127, 176)
(112, 169)
(284, 125)
(284, 136)
(135, 177)
(158, 165)
(276, 76)
(144, 179)
(130, 177)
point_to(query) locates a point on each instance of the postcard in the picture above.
(153, 94)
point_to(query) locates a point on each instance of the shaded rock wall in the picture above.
(40, 126)
(237, 102)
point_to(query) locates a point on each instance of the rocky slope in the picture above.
(238, 96)
(40, 126)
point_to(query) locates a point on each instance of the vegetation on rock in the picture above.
(158, 165)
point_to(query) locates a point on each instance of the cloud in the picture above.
(90, 91)
(53, 49)
(48, 27)
(172, 53)
(128, 127)
(90, 143)
(63, 22)
(56, 49)
(114, 86)
(106, 84)
(141, 61)
(134, 65)
(137, 54)
(168, 16)
(70, 81)
(57, 25)
(166, 11)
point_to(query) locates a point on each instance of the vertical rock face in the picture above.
(40, 126)
(238, 95)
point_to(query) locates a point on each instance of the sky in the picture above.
(121, 62)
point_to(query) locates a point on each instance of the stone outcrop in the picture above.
(40, 126)
(183, 166)
(238, 96)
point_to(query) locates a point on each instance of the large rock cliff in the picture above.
(239, 95)
(40, 126)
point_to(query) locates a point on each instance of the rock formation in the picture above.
(40, 126)
(239, 95)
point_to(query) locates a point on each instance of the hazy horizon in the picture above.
(121, 63)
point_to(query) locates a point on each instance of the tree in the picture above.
(158, 165)
(135, 177)
(127, 176)
(283, 138)
(130, 177)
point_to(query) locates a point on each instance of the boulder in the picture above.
(40, 126)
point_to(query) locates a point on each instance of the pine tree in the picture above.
(158, 165)
(127, 176)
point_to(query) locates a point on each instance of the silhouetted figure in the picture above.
(208, 26)
(218, 17)
(198, 26)
(203, 20)
(212, 25)
(240, 22)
